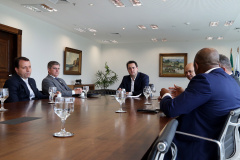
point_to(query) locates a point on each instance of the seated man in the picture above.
(203, 107)
(20, 86)
(189, 73)
(135, 81)
(52, 80)
(226, 66)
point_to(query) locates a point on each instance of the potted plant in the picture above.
(105, 79)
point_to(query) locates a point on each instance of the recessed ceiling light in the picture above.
(136, 2)
(153, 26)
(91, 4)
(228, 23)
(39, 7)
(79, 29)
(141, 27)
(209, 38)
(113, 41)
(187, 23)
(118, 3)
(154, 39)
(92, 30)
(220, 38)
(164, 40)
(123, 28)
(44, 6)
(213, 24)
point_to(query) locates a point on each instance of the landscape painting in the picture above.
(72, 61)
(172, 64)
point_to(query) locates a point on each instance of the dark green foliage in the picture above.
(107, 78)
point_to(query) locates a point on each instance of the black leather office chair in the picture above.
(164, 142)
(228, 141)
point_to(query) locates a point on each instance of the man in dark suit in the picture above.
(52, 80)
(203, 107)
(135, 81)
(21, 87)
(226, 66)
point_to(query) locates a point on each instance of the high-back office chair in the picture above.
(164, 142)
(228, 141)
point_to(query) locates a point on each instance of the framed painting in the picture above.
(72, 61)
(172, 64)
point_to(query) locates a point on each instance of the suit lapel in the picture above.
(24, 85)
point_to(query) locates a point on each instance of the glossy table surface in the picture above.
(100, 133)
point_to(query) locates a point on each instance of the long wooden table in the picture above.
(100, 133)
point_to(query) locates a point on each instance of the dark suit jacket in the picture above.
(141, 81)
(202, 109)
(18, 90)
(49, 81)
(236, 79)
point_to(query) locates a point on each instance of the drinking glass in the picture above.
(3, 96)
(85, 90)
(63, 108)
(153, 89)
(147, 91)
(120, 97)
(52, 91)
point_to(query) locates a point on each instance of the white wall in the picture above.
(43, 42)
(147, 57)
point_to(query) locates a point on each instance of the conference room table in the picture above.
(26, 130)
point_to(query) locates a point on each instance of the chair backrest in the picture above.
(164, 140)
(229, 137)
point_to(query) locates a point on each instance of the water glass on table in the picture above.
(3, 96)
(147, 91)
(63, 108)
(120, 97)
(85, 90)
(52, 91)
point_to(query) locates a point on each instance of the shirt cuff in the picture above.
(73, 92)
(166, 94)
(130, 93)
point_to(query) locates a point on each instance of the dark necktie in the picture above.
(62, 83)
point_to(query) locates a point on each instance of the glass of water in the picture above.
(147, 91)
(85, 90)
(3, 96)
(120, 97)
(63, 108)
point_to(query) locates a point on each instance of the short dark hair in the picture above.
(51, 63)
(225, 62)
(129, 62)
(16, 61)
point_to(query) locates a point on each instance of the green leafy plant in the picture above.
(107, 78)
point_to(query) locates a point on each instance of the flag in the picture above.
(237, 64)
(231, 59)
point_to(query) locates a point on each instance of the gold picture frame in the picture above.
(172, 64)
(72, 61)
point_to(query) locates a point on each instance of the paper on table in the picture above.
(135, 96)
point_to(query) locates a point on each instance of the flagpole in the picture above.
(237, 64)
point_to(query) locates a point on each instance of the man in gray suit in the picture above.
(52, 80)
(226, 66)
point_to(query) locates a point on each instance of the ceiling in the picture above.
(178, 20)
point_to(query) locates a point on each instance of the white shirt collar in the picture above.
(210, 70)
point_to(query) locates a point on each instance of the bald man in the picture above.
(203, 107)
(189, 71)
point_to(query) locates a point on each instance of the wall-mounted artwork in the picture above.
(172, 64)
(72, 61)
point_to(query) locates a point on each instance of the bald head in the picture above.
(206, 59)
(189, 71)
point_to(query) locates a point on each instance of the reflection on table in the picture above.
(99, 132)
